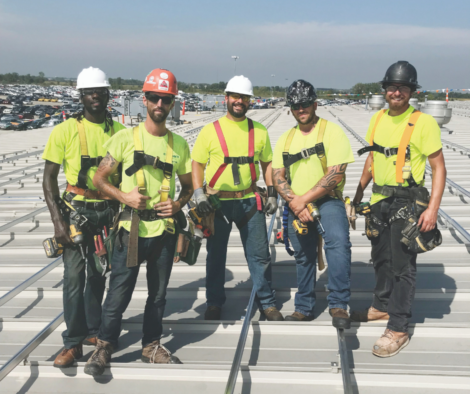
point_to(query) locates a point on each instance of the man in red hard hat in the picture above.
(151, 156)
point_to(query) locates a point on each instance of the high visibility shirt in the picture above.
(63, 147)
(425, 140)
(121, 148)
(208, 149)
(306, 173)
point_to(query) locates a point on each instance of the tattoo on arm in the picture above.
(332, 178)
(108, 161)
(281, 185)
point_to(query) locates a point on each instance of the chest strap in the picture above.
(141, 159)
(387, 152)
(235, 161)
(86, 162)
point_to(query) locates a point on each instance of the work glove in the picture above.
(271, 204)
(350, 212)
(204, 207)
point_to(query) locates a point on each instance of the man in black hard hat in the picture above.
(309, 166)
(402, 222)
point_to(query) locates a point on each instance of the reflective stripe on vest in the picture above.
(235, 161)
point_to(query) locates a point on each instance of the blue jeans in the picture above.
(338, 254)
(83, 293)
(158, 252)
(255, 244)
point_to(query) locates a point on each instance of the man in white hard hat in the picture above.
(230, 151)
(77, 144)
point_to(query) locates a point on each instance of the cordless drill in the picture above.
(315, 212)
(215, 202)
(54, 249)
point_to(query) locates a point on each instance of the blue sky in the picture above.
(330, 43)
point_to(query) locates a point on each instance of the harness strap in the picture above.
(235, 161)
(372, 135)
(387, 152)
(404, 142)
(86, 162)
(141, 159)
(321, 155)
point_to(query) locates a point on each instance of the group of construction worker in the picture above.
(122, 182)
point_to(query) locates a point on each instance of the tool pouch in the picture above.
(187, 248)
(372, 228)
(417, 241)
(420, 200)
(107, 251)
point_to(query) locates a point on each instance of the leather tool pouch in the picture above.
(372, 229)
(420, 200)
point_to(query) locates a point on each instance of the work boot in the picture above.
(213, 313)
(92, 341)
(340, 318)
(370, 314)
(297, 316)
(390, 343)
(66, 357)
(155, 353)
(272, 314)
(100, 357)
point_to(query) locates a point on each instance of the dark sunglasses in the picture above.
(155, 98)
(296, 107)
(92, 91)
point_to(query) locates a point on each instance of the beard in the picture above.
(396, 106)
(158, 117)
(237, 113)
(309, 120)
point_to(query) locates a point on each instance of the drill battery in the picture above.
(299, 227)
(52, 248)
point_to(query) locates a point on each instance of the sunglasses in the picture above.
(155, 98)
(401, 89)
(296, 107)
(237, 96)
(92, 91)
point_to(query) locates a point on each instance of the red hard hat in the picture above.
(161, 81)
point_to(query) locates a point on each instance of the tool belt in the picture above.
(95, 206)
(147, 215)
(141, 159)
(87, 193)
(289, 159)
(237, 194)
(393, 191)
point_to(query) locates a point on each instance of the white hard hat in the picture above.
(240, 84)
(92, 78)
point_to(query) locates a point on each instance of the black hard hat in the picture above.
(401, 72)
(300, 91)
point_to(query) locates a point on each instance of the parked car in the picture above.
(51, 122)
(36, 124)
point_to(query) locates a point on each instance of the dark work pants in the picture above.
(82, 303)
(395, 267)
(158, 252)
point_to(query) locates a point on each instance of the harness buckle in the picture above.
(304, 153)
(155, 162)
(387, 152)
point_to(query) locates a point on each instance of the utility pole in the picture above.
(235, 58)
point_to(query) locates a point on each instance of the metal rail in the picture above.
(23, 218)
(26, 350)
(28, 282)
(343, 354)
(17, 180)
(453, 223)
(232, 379)
(12, 153)
(33, 153)
(22, 169)
(456, 147)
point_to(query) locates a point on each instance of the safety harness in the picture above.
(235, 161)
(86, 161)
(306, 153)
(141, 159)
(403, 162)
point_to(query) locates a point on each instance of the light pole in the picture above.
(286, 88)
(272, 75)
(235, 58)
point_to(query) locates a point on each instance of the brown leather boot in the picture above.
(156, 353)
(297, 316)
(370, 314)
(390, 343)
(340, 318)
(272, 314)
(66, 357)
(92, 341)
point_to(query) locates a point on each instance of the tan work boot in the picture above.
(340, 318)
(297, 316)
(66, 357)
(155, 353)
(370, 314)
(100, 357)
(92, 341)
(390, 343)
(272, 314)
